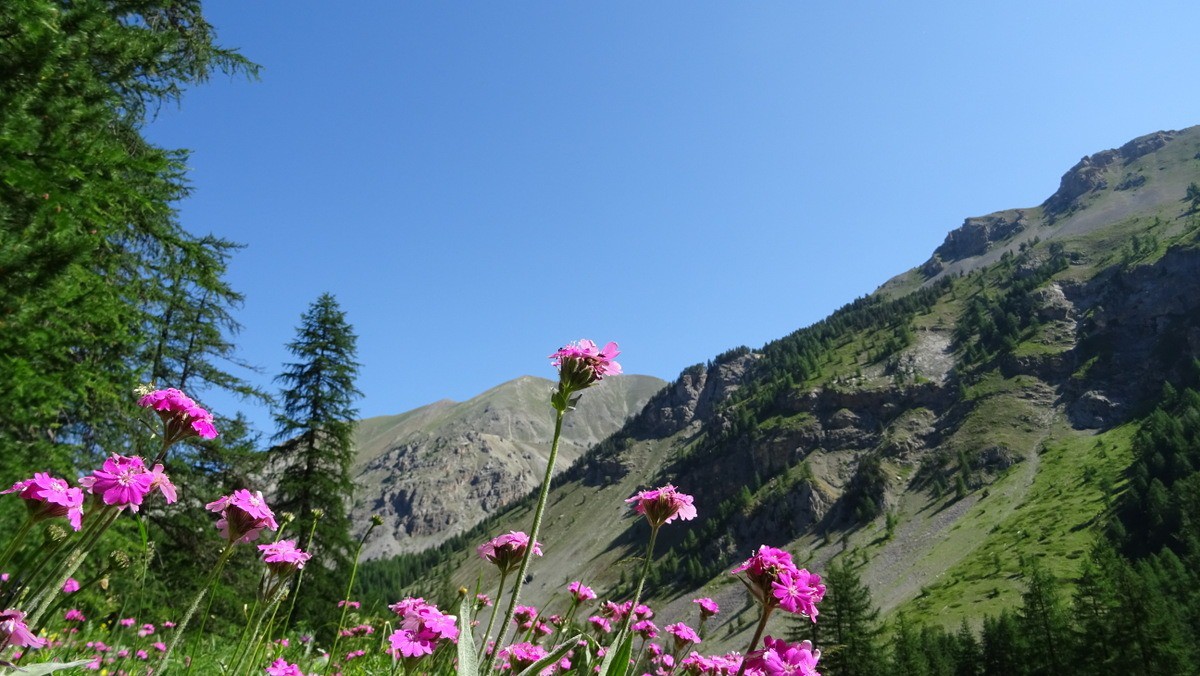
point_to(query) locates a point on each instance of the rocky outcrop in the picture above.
(1092, 172)
(974, 237)
(693, 396)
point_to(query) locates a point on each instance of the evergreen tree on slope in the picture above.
(315, 428)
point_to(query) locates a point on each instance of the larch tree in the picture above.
(315, 426)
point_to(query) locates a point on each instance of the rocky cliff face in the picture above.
(440, 469)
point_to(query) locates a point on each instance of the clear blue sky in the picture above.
(480, 183)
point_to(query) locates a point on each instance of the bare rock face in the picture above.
(975, 235)
(693, 396)
(436, 471)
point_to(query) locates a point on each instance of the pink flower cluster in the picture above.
(182, 417)
(243, 515)
(47, 497)
(716, 665)
(775, 581)
(780, 657)
(284, 558)
(520, 656)
(581, 364)
(663, 505)
(422, 627)
(282, 667)
(124, 481)
(506, 551)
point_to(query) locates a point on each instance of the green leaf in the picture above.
(467, 664)
(616, 662)
(553, 657)
(46, 667)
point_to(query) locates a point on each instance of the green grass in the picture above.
(1056, 523)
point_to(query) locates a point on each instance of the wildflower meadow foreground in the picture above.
(42, 630)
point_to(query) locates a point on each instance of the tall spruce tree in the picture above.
(315, 427)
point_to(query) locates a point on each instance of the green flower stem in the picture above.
(537, 524)
(637, 596)
(287, 620)
(275, 596)
(487, 634)
(762, 624)
(16, 541)
(206, 589)
(349, 589)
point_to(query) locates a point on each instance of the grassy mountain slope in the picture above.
(439, 469)
(967, 417)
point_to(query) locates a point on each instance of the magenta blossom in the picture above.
(799, 592)
(506, 551)
(683, 635)
(282, 667)
(646, 629)
(243, 515)
(581, 592)
(663, 505)
(122, 481)
(182, 417)
(70, 586)
(519, 656)
(74, 615)
(581, 364)
(774, 581)
(284, 558)
(14, 631)
(708, 607)
(47, 497)
(780, 657)
(601, 623)
(422, 627)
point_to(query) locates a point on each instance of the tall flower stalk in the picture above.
(659, 506)
(376, 520)
(580, 365)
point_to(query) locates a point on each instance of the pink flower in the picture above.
(506, 551)
(142, 655)
(646, 629)
(14, 631)
(521, 655)
(483, 600)
(243, 515)
(70, 586)
(774, 581)
(122, 481)
(580, 364)
(182, 417)
(524, 616)
(601, 623)
(128, 622)
(162, 482)
(74, 615)
(581, 592)
(663, 505)
(146, 630)
(281, 667)
(352, 604)
(422, 626)
(683, 635)
(47, 497)
(159, 646)
(708, 607)
(283, 558)
(799, 592)
(780, 657)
